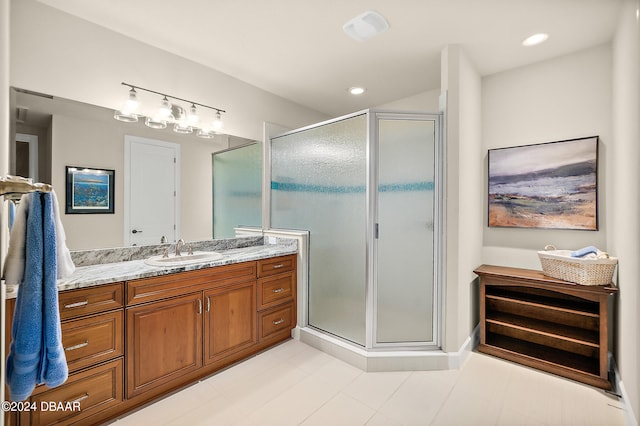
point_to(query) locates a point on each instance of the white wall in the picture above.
(421, 102)
(4, 161)
(564, 98)
(464, 193)
(623, 236)
(56, 53)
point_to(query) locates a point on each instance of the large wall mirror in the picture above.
(52, 134)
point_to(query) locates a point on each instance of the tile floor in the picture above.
(295, 384)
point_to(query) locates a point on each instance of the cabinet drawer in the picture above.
(275, 290)
(276, 265)
(84, 394)
(175, 285)
(92, 340)
(101, 298)
(276, 320)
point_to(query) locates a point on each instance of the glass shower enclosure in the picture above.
(367, 187)
(237, 189)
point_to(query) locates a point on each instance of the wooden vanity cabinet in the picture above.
(164, 342)
(179, 328)
(277, 290)
(229, 320)
(92, 323)
(545, 323)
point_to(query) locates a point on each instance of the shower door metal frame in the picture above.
(372, 222)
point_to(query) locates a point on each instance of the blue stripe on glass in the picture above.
(391, 187)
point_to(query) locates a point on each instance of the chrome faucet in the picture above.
(179, 246)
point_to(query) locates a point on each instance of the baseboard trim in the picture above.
(392, 360)
(630, 418)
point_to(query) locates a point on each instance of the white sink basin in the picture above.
(185, 259)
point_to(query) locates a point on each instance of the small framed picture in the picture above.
(89, 190)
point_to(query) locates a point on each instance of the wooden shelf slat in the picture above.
(552, 356)
(557, 331)
(558, 308)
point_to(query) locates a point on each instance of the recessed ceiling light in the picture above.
(535, 39)
(357, 90)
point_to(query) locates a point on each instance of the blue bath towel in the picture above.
(584, 251)
(36, 355)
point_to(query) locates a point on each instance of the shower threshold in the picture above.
(384, 360)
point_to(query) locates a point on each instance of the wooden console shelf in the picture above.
(545, 323)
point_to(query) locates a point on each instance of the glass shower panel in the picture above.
(405, 275)
(237, 189)
(318, 183)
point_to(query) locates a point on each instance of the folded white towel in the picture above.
(65, 264)
(14, 262)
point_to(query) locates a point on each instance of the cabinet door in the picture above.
(164, 342)
(230, 320)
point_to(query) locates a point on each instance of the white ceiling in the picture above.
(296, 48)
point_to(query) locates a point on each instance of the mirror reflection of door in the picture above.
(26, 149)
(151, 196)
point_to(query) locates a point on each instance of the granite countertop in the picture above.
(105, 273)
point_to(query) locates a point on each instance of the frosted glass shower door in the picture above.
(237, 189)
(405, 246)
(318, 183)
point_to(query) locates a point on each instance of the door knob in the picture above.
(135, 231)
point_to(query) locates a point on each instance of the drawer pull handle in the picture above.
(278, 290)
(77, 304)
(78, 346)
(199, 306)
(80, 398)
(208, 304)
(279, 265)
(280, 321)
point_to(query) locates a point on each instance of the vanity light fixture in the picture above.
(170, 113)
(535, 39)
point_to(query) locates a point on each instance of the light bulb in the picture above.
(535, 39)
(193, 115)
(132, 104)
(217, 123)
(165, 108)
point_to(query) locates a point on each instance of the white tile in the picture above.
(254, 392)
(218, 411)
(341, 410)
(380, 419)
(464, 408)
(374, 389)
(484, 374)
(294, 384)
(419, 398)
(511, 417)
(294, 405)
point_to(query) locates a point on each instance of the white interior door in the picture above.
(151, 191)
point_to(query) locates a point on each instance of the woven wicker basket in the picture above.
(559, 264)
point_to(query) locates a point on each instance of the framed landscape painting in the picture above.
(89, 190)
(550, 185)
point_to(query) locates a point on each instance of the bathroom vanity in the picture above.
(134, 340)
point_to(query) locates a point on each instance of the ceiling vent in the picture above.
(365, 26)
(21, 114)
